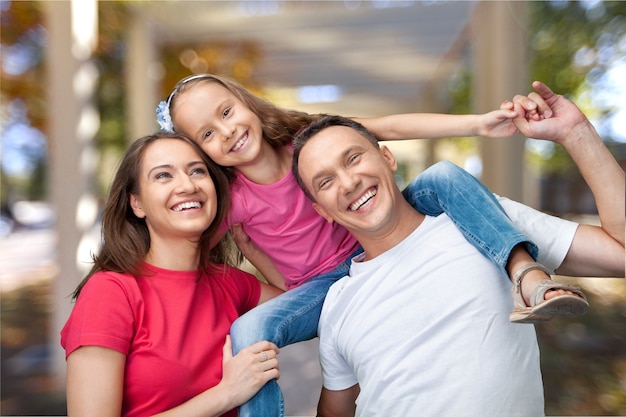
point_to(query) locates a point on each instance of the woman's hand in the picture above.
(246, 373)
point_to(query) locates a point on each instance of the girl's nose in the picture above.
(226, 131)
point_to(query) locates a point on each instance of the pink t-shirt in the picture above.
(281, 220)
(171, 325)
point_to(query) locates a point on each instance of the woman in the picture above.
(149, 332)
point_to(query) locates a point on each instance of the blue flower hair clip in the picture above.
(163, 117)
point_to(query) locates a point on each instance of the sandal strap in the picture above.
(539, 292)
(519, 276)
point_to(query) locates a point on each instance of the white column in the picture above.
(142, 72)
(500, 57)
(74, 120)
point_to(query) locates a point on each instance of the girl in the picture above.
(152, 317)
(297, 250)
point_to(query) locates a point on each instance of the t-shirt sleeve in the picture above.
(336, 372)
(552, 235)
(102, 316)
(246, 288)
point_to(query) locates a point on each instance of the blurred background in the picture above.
(81, 79)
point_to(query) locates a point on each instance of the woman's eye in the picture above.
(162, 175)
(199, 171)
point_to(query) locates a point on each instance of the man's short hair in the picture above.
(316, 127)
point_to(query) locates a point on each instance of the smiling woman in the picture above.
(142, 313)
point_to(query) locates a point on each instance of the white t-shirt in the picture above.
(424, 329)
(552, 235)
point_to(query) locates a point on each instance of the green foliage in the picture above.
(571, 49)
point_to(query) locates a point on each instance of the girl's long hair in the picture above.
(126, 239)
(279, 125)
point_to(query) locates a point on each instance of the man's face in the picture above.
(351, 180)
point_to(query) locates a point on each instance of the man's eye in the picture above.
(323, 183)
(353, 158)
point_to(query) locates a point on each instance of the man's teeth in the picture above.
(366, 197)
(188, 205)
(240, 143)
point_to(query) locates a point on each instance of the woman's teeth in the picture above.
(187, 205)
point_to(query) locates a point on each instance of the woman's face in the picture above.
(226, 129)
(176, 196)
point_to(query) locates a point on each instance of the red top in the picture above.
(171, 325)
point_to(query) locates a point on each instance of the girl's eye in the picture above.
(227, 112)
(207, 134)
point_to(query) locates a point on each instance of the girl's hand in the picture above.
(497, 123)
(243, 242)
(246, 373)
(259, 259)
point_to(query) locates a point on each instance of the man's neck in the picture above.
(405, 220)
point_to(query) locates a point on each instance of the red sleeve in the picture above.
(103, 314)
(246, 288)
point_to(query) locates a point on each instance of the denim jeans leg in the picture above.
(445, 187)
(289, 318)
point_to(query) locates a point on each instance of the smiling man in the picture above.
(420, 327)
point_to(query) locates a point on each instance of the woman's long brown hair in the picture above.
(126, 239)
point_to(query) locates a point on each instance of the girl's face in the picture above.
(226, 129)
(176, 196)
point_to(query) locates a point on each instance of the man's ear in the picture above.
(135, 204)
(320, 210)
(388, 156)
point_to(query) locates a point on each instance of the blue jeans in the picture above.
(293, 316)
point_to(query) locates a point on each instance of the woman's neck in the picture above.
(271, 166)
(177, 256)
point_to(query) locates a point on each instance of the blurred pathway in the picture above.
(27, 256)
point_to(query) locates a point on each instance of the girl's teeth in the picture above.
(239, 144)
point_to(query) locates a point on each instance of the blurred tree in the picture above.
(22, 36)
(232, 59)
(574, 48)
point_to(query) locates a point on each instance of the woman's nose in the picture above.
(186, 184)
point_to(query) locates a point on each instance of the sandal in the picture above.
(540, 309)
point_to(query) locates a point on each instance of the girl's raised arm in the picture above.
(497, 123)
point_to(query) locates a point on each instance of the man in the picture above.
(420, 327)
